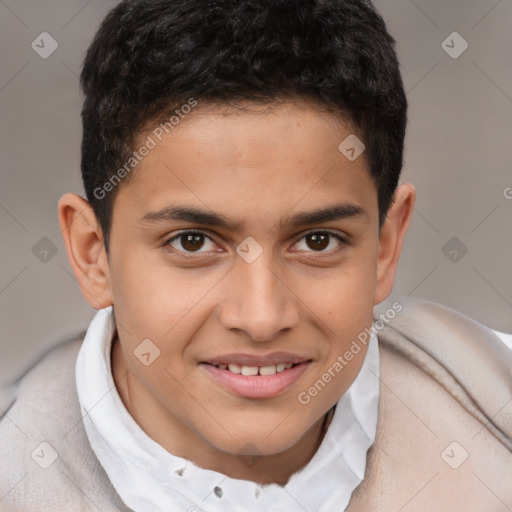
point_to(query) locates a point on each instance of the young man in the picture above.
(243, 218)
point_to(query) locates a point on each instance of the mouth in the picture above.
(253, 377)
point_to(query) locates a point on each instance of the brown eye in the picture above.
(320, 241)
(190, 242)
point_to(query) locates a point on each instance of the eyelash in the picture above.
(192, 254)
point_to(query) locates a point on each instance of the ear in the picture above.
(83, 238)
(391, 239)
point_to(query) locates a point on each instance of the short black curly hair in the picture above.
(150, 57)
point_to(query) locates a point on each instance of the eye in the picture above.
(319, 241)
(191, 242)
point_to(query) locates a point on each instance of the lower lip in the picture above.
(257, 386)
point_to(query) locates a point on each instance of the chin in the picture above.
(262, 441)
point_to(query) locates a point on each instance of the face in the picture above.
(244, 243)
(243, 262)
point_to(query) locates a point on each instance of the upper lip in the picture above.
(258, 360)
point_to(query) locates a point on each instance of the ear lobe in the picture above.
(83, 238)
(391, 239)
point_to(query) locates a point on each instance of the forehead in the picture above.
(257, 161)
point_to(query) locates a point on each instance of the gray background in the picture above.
(458, 154)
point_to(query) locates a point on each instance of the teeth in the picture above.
(255, 370)
(249, 370)
(268, 370)
(235, 368)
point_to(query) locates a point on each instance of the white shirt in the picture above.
(150, 479)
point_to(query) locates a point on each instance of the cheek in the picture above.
(344, 303)
(343, 300)
(148, 294)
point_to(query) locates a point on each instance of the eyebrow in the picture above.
(194, 215)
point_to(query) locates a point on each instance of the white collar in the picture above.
(148, 478)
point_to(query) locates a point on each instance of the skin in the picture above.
(258, 168)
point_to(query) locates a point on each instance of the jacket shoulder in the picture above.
(463, 356)
(444, 426)
(46, 462)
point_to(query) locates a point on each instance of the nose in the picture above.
(259, 302)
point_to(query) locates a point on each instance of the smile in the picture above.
(248, 379)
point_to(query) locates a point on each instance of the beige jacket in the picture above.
(444, 434)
